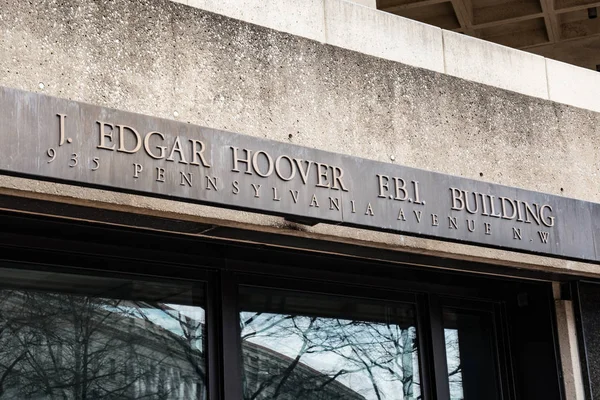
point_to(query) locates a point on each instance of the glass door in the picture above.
(471, 347)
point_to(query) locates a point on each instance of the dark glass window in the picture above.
(471, 354)
(73, 337)
(308, 346)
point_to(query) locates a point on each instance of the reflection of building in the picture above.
(72, 347)
(300, 381)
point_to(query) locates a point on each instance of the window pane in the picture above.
(124, 339)
(306, 346)
(471, 355)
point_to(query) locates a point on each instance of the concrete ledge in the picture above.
(379, 34)
(573, 85)
(357, 25)
(301, 18)
(495, 65)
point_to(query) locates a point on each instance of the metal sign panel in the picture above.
(67, 141)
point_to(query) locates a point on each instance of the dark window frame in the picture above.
(96, 249)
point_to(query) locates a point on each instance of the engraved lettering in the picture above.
(236, 187)
(137, 168)
(74, 159)
(493, 207)
(468, 208)
(147, 148)
(292, 167)
(138, 139)
(501, 207)
(211, 183)
(186, 178)
(104, 135)
(338, 174)
(314, 202)
(457, 198)
(96, 161)
(519, 214)
(400, 188)
(198, 153)
(471, 225)
(275, 198)
(322, 170)
(503, 202)
(294, 194)
(369, 210)
(533, 213)
(517, 233)
(484, 205)
(401, 216)
(255, 164)
(546, 219)
(383, 186)
(177, 149)
(417, 199)
(237, 160)
(452, 223)
(353, 206)
(256, 190)
(488, 228)
(160, 174)
(61, 129)
(303, 172)
(417, 215)
(543, 236)
(334, 202)
(52, 154)
(434, 220)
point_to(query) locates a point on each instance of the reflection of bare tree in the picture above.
(57, 346)
(327, 358)
(454, 364)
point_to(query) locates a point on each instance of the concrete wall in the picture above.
(357, 25)
(169, 60)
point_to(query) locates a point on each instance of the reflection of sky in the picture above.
(170, 318)
(287, 339)
(453, 360)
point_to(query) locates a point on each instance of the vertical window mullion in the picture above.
(231, 346)
(425, 347)
(438, 350)
(213, 342)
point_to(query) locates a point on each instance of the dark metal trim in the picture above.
(438, 346)
(583, 354)
(231, 349)
(76, 215)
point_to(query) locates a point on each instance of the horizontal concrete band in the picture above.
(364, 29)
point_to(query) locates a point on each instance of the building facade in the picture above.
(290, 200)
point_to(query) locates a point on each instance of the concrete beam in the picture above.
(350, 25)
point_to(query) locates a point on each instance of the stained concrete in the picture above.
(168, 60)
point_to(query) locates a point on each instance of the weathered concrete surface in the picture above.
(570, 84)
(169, 60)
(348, 24)
(495, 65)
